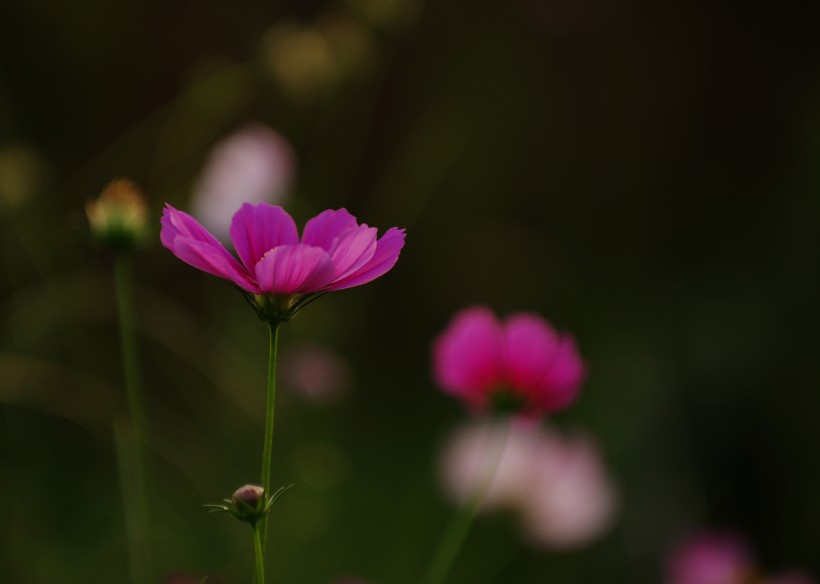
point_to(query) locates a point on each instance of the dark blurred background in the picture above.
(642, 174)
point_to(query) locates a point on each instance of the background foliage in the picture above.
(642, 174)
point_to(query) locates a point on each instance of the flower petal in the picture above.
(257, 229)
(176, 223)
(202, 256)
(385, 257)
(468, 357)
(328, 226)
(294, 269)
(354, 250)
(192, 243)
(565, 376)
(541, 365)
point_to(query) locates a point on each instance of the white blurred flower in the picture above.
(468, 458)
(252, 165)
(557, 485)
(572, 501)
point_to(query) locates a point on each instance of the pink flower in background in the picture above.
(557, 485)
(316, 373)
(710, 559)
(521, 362)
(254, 164)
(571, 500)
(277, 268)
(473, 446)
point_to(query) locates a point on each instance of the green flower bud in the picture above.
(119, 217)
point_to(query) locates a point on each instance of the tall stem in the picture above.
(269, 412)
(132, 460)
(259, 553)
(453, 537)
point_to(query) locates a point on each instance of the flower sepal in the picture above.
(249, 503)
(280, 308)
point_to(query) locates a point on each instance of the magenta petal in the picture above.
(324, 229)
(294, 269)
(176, 223)
(531, 345)
(385, 257)
(353, 250)
(203, 256)
(257, 229)
(542, 365)
(468, 356)
(565, 376)
(192, 243)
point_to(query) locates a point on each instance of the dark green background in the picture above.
(643, 174)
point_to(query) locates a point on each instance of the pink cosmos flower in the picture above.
(521, 362)
(710, 559)
(279, 271)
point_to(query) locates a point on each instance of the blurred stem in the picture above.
(259, 553)
(132, 460)
(456, 532)
(269, 409)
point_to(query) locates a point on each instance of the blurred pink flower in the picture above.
(710, 558)
(254, 164)
(557, 485)
(278, 270)
(471, 448)
(571, 501)
(315, 373)
(521, 363)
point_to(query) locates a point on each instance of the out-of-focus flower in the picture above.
(119, 216)
(310, 61)
(572, 501)
(21, 171)
(279, 273)
(557, 485)
(471, 450)
(315, 373)
(710, 558)
(521, 364)
(254, 164)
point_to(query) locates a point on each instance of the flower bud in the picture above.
(118, 218)
(249, 495)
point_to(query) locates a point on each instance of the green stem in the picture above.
(453, 537)
(269, 409)
(259, 553)
(133, 467)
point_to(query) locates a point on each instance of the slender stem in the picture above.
(453, 537)
(269, 409)
(133, 468)
(259, 553)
